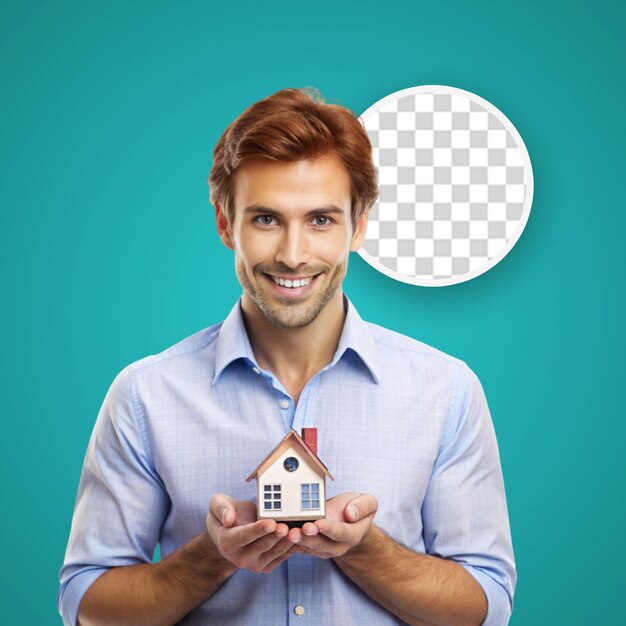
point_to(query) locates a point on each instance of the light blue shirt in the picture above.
(395, 418)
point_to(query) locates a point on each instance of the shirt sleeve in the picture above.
(464, 512)
(121, 503)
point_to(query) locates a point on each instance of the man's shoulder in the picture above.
(194, 347)
(404, 344)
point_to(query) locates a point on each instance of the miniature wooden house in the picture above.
(291, 480)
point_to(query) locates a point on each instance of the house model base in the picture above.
(291, 481)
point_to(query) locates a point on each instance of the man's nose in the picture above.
(293, 249)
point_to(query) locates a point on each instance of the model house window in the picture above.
(310, 496)
(272, 498)
(291, 464)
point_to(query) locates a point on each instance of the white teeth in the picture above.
(298, 282)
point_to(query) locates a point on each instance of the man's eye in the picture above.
(266, 220)
(321, 220)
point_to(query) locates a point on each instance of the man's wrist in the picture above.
(222, 568)
(198, 564)
(367, 546)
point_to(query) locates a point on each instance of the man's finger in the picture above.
(363, 505)
(222, 507)
(316, 544)
(282, 530)
(245, 535)
(258, 554)
(272, 565)
(336, 531)
(281, 547)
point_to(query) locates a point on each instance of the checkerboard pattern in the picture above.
(453, 186)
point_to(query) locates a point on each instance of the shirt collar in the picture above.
(232, 342)
(357, 337)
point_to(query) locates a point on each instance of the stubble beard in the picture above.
(283, 313)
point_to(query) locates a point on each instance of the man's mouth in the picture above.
(292, 286)
(292, 283)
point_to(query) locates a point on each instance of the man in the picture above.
(417, 531)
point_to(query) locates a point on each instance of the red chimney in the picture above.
(310, 438)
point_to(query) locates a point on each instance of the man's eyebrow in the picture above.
(257, 208)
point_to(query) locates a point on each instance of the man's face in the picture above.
(292, 234)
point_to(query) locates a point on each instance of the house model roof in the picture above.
(292, 438)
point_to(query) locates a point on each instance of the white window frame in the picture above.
(275, 493)
(306, 489)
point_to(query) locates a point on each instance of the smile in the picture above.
(292, 283)
(292, 288)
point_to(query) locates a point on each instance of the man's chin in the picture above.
(290, 318)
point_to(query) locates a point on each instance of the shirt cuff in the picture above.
(499, 605)
(71, 594)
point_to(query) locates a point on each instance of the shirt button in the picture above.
(299, 610)
(256, 370)
(284, 404)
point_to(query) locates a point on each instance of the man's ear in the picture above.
(223, 227)
(359, 232)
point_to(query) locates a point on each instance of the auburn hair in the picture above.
(290, 125)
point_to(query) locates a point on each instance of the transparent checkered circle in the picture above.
(456, 186)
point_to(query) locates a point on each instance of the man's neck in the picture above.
(295, 355)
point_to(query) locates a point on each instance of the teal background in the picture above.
(109, 115)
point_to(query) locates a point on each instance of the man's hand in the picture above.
(347, 523)
(259, 546)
